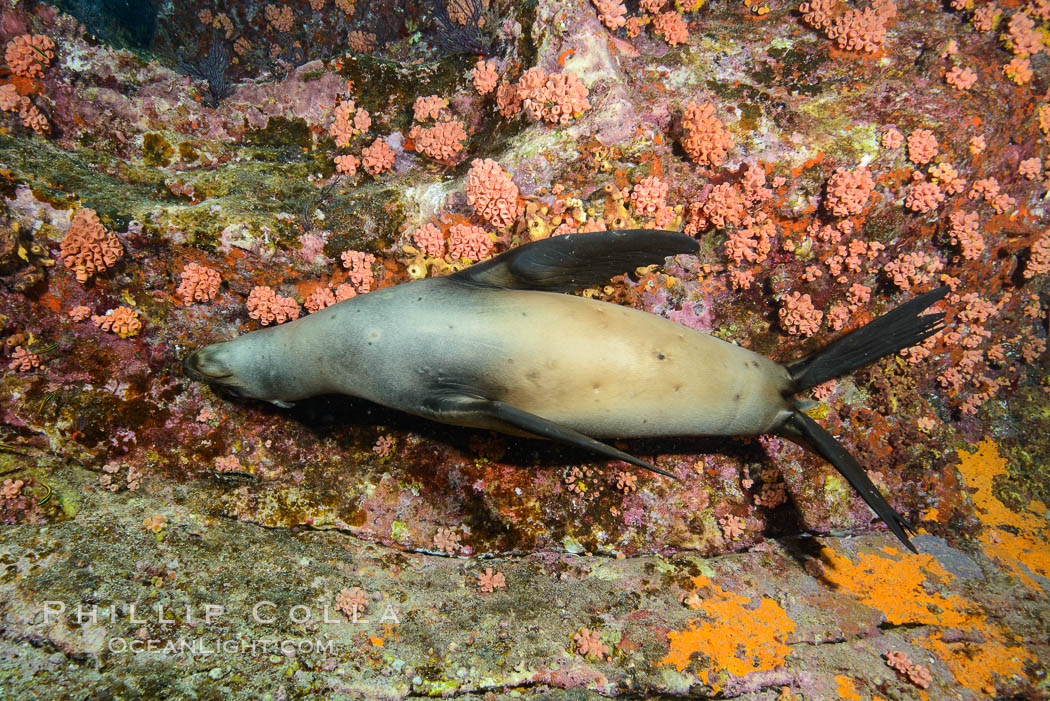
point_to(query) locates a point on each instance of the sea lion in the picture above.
(493, 346)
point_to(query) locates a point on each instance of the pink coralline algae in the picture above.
(825, 389)
(10, 98)
(892, 138)
(347, 164)
(858, 295)
(918, 675)
(489, 581)
(1039, 257)
(359, 264)
(267, 307)
(383, 446)
(818, 14)
(198, 284)
(344, 292)
(705, 138)
(592, 225)
(430, 107)
(468, 242)
(228, 463)
(754, 184)
(349, 122)
(948, 178)
(960, 77)
(923, 197)
(852, 29)
(32, 117)
(1022, 36)
(773, 494)
(977, 146)
(723, 208)
(429, 239)
(491, 193)
(1019, 70)
(443, 141)
(508, 99)
(88, 247)
(319, 299)
(1029, 168)
(1003, 203)
(910, 269)
(626, 482)
(11, 488)
(351, 601)
(732, 526)
(649, 199)
(848, 191)
(484, 76)
(556, 98)
(23, 361)
(447, 541)
(589, 644)
(378, 157)
(123, 321)
(1032, 349)
(279, 17)
(361, 42)
(29, 55)
(985, 16)
(611, 13)
(964, 234)
(859, 30)
(988, 188)
(671, 28)
(922, 146)
(798, 316)
(752, 242)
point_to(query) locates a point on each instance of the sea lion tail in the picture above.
(901, 328)
(802, 429)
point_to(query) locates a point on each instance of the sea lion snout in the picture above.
(202, 365)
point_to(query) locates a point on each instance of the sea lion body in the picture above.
(599, 368)
(495, 346)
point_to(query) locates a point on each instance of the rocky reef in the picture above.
(178, 177)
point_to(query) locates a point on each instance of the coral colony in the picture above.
(176, 175)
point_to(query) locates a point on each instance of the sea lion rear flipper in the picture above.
(470, 410)
(798, 425)
(565, 263)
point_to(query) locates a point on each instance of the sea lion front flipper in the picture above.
(469, 410)
(566, 263)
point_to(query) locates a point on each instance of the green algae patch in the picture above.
(156, 151)
(282, 133)
(94, 178)
(188, 152)
(379, 83)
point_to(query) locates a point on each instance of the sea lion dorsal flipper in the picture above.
(470, 410)
(566, 263)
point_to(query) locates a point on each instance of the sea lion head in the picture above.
(236, 366)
